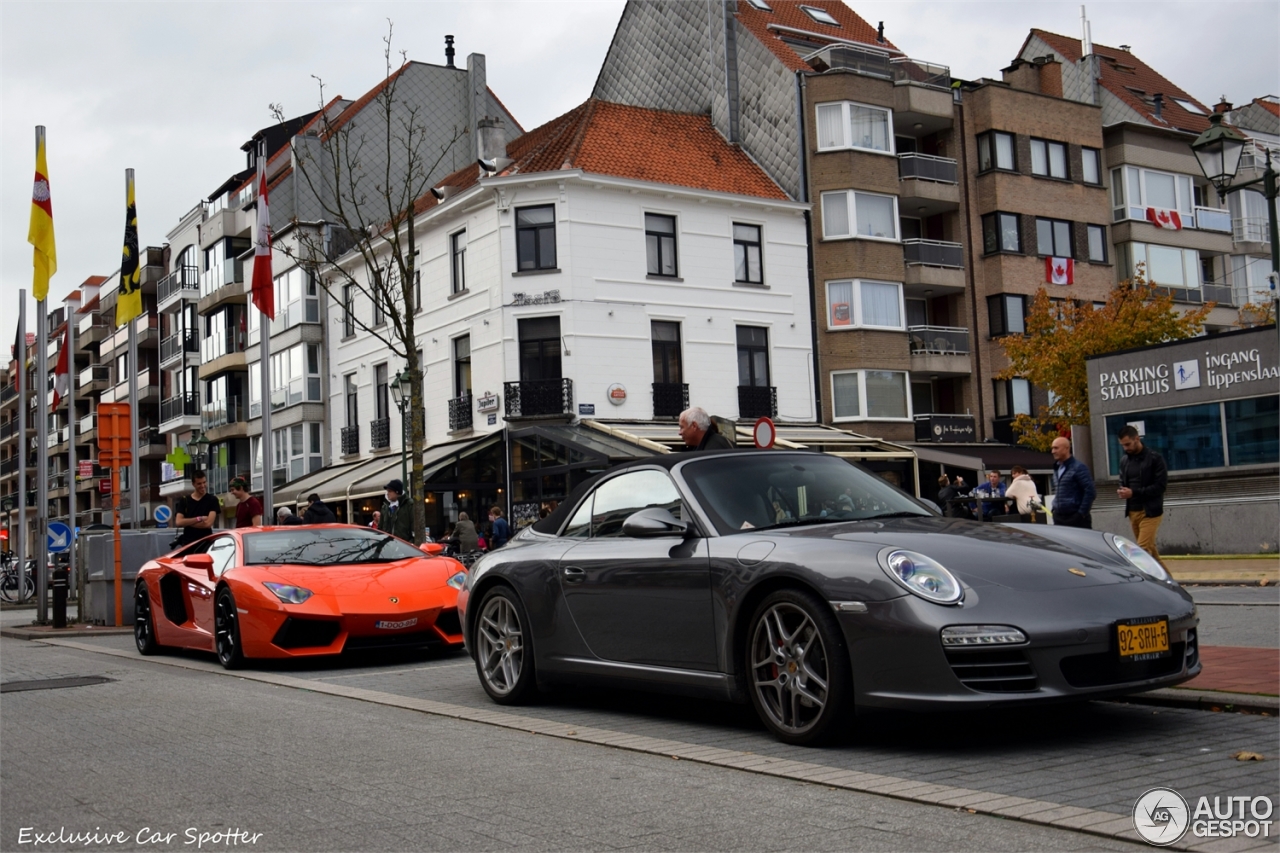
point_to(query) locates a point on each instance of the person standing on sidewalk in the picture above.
(196, 514)
(1073, 487)
(1143, 480)
(700, 432)
(248, 508)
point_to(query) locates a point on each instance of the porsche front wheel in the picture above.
(144, 630)
(798, 667)
(226, 631)
(504, 656)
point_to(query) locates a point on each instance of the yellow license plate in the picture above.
(1143, 638)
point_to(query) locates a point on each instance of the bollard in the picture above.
(59, 582)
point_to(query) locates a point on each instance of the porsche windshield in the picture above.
(329, 546)
(753, 492)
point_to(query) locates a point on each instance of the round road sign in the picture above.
(764, 433)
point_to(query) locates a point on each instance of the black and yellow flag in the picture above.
(129, 302)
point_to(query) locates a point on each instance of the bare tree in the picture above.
(367, 176)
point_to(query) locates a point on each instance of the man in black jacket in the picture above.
(318, 512)
(700, 432)
(397, 514)
(1143, 480)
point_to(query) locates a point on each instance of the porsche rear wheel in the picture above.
(504, 657)
(798, 667)
(226, 630)
(144, 629)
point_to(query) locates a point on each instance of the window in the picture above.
(462, 366)
(753, 356)
(1007, 313)
(458, 261)
(1092, 168)
(660, 244)
(1053, 238)
(351, 397)
(746, 254)
(874, 216)
(861, 304)
(849, 125)
(822, 16)
(1013, 397)
(995, 151)
(223, 552)
(666, 352)
(1165, 265)
(381, 400)
(1188, 106)
(870, 395)
(417, 291)
(379, 311)
(1253, 430)
(348, 310)
(1133, 190)
(297, 299)
(224, 332)
(761, 5)
(622, 496)
(295, 377)
(1048, 159)
(539, 348)
(536, 238)
(1000, 233)
(1097, 243)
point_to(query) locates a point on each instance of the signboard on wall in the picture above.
(524, 514)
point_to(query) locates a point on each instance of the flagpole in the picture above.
(73, 427)
(264, 349)
(42, 461)
(24, 445)
(135, 511)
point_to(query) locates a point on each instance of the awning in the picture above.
(313, 482)
(665, 437)
(951, 460)
(983, 457)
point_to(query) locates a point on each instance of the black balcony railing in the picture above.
(939, 340)
(217, 413)
(180, 406)
(9, 466)
(539, 398)
(460, 413)
(8, 428)
(8, 392)
(670, 399)
(380, 433)
(933, 253)
(1219, 293)
(927, 167)
(350, 440)
(181, 279)
(175, 345)
(757, 401)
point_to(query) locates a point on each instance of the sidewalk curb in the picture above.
(46, 632)
(1207, 700)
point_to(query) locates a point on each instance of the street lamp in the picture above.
(1218, 150)
(197, 447)
(401, 395)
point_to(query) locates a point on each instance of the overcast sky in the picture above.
(172, 89)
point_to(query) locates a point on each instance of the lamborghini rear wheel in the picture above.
(144, 630)
(226, 631)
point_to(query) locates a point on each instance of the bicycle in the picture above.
(17, 584)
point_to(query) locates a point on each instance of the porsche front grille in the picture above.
(1105, 668)
(993, 670)
(298, 633)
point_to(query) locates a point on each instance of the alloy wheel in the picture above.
(143, 628)
(500, 645)
(226, 631)
(790, 668)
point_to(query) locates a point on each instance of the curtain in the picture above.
(835, 214)
(880, 304)
(830, 126)
(844, 395)
(886, 394)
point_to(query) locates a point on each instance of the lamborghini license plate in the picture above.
(395, 626)
(1143, 639)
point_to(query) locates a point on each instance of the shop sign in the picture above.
(586, 408)
(617, 394)
(547, 297)
(104, 487)
(487, 402)
(958, 428)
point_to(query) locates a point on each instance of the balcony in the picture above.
(670, 399)
(350, 440)
(934, 253)
(460, 413)
(380, 434)
(94, 379)
(91, 330)
(182, 283)
(182, 406)
(1219, 293)
(147, 327)
(539, 398)
(8, 429)
(871, 62)
(927, 167)
(940, 350)
(87, 428)
(8, 393)
(120, 392)
(1250, 229)
(221, 413)
(57, 437)
(1213, 219)
(757, 401)
(152, 444)
(176, 346)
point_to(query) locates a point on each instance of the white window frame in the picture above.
(1183, 190)
(814, 12)
(851, 209)
(862, 396)
(855, 315)
(846, 128)
(1137, 253)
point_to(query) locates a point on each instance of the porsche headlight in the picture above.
(1141, 560)
(288, 594)
(924, 576)
(458, 580)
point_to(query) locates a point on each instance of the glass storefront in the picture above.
(543, 472)
(1253, 430)
(1191, 437)
(469, 482)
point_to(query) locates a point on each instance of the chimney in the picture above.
(448, 52)
(491, 138)
(880, 33)
(1223, 106)
(1050, 76)
(1158, 101)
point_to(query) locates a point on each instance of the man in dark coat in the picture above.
(318, 512)
(397, 514)
(1143, 480)
(700, 432)
(1073, 487)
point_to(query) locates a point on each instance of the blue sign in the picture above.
(162, 515)
(493, 420)
(59, 537)
(586, 408)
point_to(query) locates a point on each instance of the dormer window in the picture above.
(761, 5)
(820, 15)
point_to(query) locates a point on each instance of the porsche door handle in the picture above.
(573, 574)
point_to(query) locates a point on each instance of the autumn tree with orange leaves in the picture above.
(1061, 334)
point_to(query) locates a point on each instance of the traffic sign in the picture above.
(764, 433)
(162, 515)
(59, 535)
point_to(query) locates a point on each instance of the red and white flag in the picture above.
(62, 372)
(264, 294)
(1162, 218)
(1060, 270)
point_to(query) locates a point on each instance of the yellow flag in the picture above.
(40, 234)
(129, 302)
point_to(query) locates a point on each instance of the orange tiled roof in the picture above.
(1123, 72)
(787, 13)
(603, 138)
(94, 279)
(1270, 106)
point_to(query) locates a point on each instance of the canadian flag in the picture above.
(62, 373)
(264, 294)
(1162, 218)
(1060, 270)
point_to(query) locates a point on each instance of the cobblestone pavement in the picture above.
(171, 749)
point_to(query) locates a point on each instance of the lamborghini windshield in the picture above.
(328, 546)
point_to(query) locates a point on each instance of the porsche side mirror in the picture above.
(653, 523)
(199, 562)
(432, 549)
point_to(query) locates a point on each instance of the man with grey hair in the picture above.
(700, 432)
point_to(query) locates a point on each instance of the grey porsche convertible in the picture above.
(813, 589)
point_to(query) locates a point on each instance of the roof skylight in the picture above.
(1188, 106)
(822, 16)
(761, 5)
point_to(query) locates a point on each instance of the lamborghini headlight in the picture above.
(288, 594)
(924, 576)
(458, 580)
(1141, 560)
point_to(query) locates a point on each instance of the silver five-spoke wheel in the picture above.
(502, 653)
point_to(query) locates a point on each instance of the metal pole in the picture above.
(24, 445)
(135, 511)
(42, 461)
(268, 486)
(72, 428)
